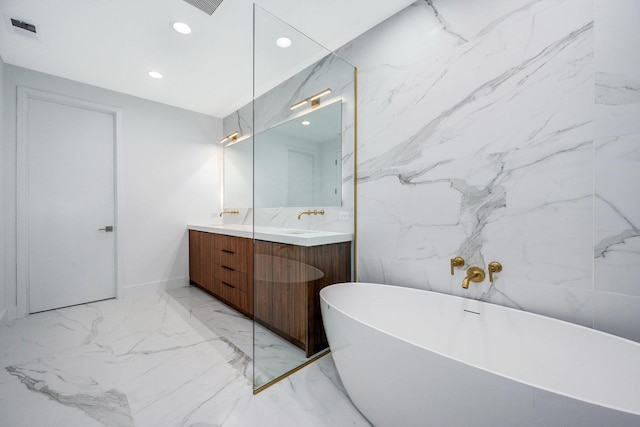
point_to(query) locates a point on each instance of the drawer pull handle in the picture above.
(228, 268)
(226, 251)
(226, 284)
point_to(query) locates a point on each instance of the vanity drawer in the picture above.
(232, 277)
(223, 266)
(238, 261)
(233, 252)
(233, 243)
(230, 294)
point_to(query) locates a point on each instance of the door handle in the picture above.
(108, 228)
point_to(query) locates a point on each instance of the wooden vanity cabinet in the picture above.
(288, 279)
(223, 266)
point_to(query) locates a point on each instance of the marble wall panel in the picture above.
(476, 140)
(617, 314)
(617, 168)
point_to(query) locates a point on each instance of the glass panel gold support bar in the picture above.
(355, 174)
(293, 371)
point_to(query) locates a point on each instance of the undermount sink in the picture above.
(298, 232)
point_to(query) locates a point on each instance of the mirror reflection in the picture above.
(300, 161)
(237, 176)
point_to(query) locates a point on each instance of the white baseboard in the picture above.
(9, 314)
(145, 288)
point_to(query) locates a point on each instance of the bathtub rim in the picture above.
(491, 371)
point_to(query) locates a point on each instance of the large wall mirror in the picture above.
(302, 144)
(300, 161)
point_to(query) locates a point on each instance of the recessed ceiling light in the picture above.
(283, 42)
(155, 75)
(182, 28)
(306, 123)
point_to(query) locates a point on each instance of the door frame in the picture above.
(26, 94)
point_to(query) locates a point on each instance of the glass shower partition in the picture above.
(304, 123)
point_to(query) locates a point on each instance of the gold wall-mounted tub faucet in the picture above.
(229, 212)
(311, 212)
(494, 267)
(456, 262)
(474, 274)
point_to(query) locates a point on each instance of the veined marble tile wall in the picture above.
(476, 139)
(476, 132)
(617, 167)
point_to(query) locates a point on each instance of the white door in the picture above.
(300, 189)
(70, 186)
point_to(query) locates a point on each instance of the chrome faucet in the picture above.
(474, 274)
(229, 212)
(311, 212)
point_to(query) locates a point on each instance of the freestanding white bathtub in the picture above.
(409, 357)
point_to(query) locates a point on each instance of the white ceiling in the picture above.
(114, 43)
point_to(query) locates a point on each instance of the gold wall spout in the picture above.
(311, 212)
(474, 274)
(229, 212)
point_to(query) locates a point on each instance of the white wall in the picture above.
(3, 298)
(169, 176)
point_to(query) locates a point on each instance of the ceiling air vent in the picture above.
(23, 25)
(207, 6)
(20, 26)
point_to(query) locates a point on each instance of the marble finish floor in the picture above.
(149, 361)
(272, 355)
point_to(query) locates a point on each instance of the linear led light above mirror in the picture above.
(236, 140)
(233, 137)
(313, 99)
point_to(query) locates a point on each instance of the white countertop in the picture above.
(289, 236)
